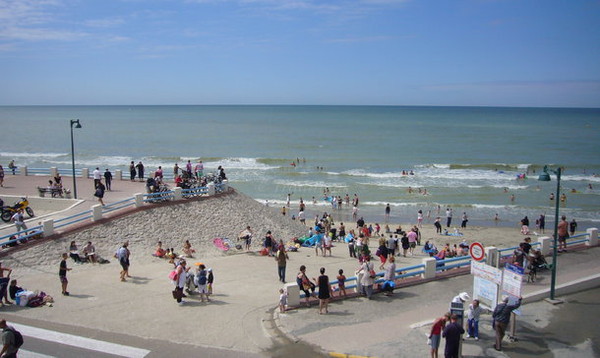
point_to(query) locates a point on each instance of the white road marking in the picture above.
(28, 354)
(81, 342)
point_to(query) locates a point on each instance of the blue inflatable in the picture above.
(315, 239)
(349, 238)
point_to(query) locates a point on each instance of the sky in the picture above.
(542, 53)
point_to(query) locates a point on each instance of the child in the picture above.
(282, 300)
(341, 282)
(209, 281)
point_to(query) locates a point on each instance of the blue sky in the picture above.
(374, 52)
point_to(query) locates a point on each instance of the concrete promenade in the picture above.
(243, 318)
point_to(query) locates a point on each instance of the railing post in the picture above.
(492, 256)
(593, 236)
(293, 292)
(53, 172)
(48, 227)
(118, 174)
(85, 173)
(545, 242)
(211, 189)
(177, 193)
(96, 212)
(139, 200)
(23, 170)
(430, 265)
(359, 277)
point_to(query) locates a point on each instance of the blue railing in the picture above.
(22, 235)
(118, 205)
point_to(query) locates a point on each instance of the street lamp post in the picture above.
(545, 176)
(77, 125)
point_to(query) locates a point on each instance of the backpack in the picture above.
(18, 337)
(202, 278)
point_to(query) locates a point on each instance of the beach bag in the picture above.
(177, 294)
(372, 273)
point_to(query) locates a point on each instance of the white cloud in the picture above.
(104, 23)
(39, 34)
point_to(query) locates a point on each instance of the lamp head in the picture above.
(76, 122)
(544, 177)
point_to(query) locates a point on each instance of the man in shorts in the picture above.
(436, 333)
(62, 274)
(563, 234)
(246, 235)
(123, 256)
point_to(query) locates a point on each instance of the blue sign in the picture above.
(515, 269)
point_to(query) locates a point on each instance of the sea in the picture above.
(482, 161)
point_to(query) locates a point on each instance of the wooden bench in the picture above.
(53, 192)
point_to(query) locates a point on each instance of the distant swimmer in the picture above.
(563, 198)
(551, 196)
(512, 198)
(590, 186)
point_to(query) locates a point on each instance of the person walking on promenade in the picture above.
(435, 335)
(97, 176)
(368, 277)
(563, 234)
(12, 166)
(473, 320)
(452, 333)
(108, 179)
(132, 171)
(99, 193)
(10, 346)
(62, 274)
(324, 291)
(19, 221)
(281, 258)
(140, 170)
(123, 256)
(501, 318)
(4, 285)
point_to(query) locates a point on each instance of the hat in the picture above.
(198, 263)
(464, 296)
(209, 269)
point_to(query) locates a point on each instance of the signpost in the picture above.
(476, 251)
(486, 282)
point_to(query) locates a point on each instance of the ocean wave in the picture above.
(485, 166)
(240, 163)
(16, 155)
(311, 184)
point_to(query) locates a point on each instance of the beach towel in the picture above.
(222, 243)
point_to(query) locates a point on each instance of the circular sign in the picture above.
(476, 251)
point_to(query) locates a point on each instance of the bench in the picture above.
(53, 192)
